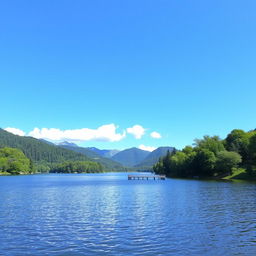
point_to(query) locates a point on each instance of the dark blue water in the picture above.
(105, 214)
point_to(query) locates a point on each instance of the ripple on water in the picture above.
(109, 215)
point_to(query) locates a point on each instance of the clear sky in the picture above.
(180, 68)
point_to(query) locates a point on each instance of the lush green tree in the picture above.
(181, 164)
(204, 162)
(3, 164)
(213, 144)
(251, 163)
(43, 167)
(226, 161)
(252, 147)
(238, 141)
(77, 167)
(188, 150)
(13, 161)
(176, 165)
(159, 167)
(166, 162)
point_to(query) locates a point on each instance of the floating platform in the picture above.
(146, 177)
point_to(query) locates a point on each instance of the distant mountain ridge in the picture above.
(109, 153)
(66, 143)
(134, 158)
(110, 164)
(131, 157)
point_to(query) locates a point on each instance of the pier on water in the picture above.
(146, 177)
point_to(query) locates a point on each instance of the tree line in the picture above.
(77, 167)
(13, 162)
(212, 157)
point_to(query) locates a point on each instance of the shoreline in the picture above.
(231, 178)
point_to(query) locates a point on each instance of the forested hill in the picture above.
(38, 150)
(44, 155)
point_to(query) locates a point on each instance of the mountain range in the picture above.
(108, 163)
(109, 153)
(131, 157)
(134, 158)
(44, 153)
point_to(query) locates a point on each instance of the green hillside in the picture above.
(38, 150)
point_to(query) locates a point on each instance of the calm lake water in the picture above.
(105, 214)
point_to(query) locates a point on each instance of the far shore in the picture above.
(237, 176)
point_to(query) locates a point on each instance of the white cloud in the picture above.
(15, 131)
(106, 133)
(103, 133)
(155, 135)
(147, 148)
(137, 131)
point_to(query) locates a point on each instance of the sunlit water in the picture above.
(105, 214)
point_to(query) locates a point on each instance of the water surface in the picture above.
(105, 214)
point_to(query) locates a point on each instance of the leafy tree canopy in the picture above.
(13, 161)
(212, 157)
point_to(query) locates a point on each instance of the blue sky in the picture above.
(181, 68)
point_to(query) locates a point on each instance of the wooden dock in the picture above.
(146, 177)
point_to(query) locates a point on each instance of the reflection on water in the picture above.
(105, 214)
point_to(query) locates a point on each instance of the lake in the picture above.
(105, 214)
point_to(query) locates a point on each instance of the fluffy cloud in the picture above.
(137, 131)
(147, 148)
(106, 133)
(15, 131)
(103, 133)
(155, 135)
